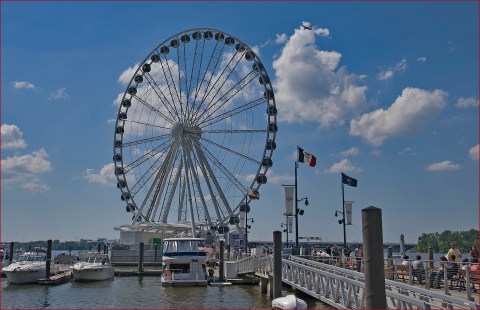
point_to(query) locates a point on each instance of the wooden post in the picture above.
(221, 272)
(99, 247)
(49, 258)
(277, 264)
(430, 257)
(10, 259)
(375, 296)
(140, 261)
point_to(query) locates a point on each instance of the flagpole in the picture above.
(296, 207)
(343, 213)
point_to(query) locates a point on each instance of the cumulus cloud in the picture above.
(390, 72)
(23, 170)
(411, 109)
(281, 38)
(23, 84)
(464, 103)
(310, 85)
(473, 152)
(127, 75)
(343, 166)
(422, 59)
(12, 137)
(353, 151)
(446, 165)
(33, 163)
(106, 175)
(407, 151)
(60, 93)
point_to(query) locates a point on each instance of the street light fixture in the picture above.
(342, 221)
(247, 227)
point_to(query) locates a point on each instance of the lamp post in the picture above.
(342, 221)
(247, 227)
(286, 229)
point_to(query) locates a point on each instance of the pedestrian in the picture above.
(359, 257)
(454, 252)
(474, 255)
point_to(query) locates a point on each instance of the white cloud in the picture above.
(446, 165)
(23, 170)
(12, 137)
(22, 84)
(408, 151)
(413, 108)
(464, 103)
(422, 59)
(32, 163)
(473, 152)
(60, 93)
(127, 75)
(343, 166)
(350, 152)
(281, 38)
(310, 86)
(390, 72)
(106, 175)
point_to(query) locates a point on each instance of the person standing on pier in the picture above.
(359, 257)
(474, 255)
(454, 252)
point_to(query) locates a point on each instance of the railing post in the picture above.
(375, 295)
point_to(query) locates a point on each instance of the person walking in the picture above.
(454, 252)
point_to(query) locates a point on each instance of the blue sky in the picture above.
(385, 92)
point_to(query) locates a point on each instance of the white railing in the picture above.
(344, 288)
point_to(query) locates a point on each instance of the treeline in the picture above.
(56, 245)
(440, 242)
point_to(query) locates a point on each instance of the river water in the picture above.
(137, 292)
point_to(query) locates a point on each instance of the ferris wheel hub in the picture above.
(176, 131)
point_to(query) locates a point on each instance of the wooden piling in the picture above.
(277, 264)
(49, 258)
(155, 245)
(140, 260)
(430, 258)
(375, 296)
(221, 272)
(10, 259)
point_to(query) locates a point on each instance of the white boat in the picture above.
(184, 262)
(93, 267)
(29, 268)
(289, 302)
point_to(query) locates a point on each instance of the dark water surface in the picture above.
(137, 292)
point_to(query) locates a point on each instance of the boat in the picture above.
(93, 267)
(289, 302)
(184, 262)
(28, 268)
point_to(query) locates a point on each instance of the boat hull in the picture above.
(19, 276)
(92, 274)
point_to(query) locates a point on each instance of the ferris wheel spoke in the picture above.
(163, 98)
(219, 83)
(173, 188)
(235, 111)
(231, 93)
(156, 185)
(204, 85)
(144, 178)
(232, 151)
(145, 124)
(146, 140)
(241, 131)
(152, 108)
(214, 180)
(150, 154)
(172, 89)
(196, 69)
(182, 78)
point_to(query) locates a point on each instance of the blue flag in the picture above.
(348, 180)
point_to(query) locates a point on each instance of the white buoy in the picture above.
(289, 302)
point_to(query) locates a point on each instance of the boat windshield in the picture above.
(190, 247)
(31, 258)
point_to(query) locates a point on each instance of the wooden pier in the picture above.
(57, 279)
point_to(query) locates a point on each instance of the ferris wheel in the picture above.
(195, 132)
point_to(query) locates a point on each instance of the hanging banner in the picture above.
(242, 219)
(289, 200)
(348, 212)
(290, 224)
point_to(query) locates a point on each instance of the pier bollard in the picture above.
(49, 258)
(375, 296)
(10, 259)
(430, 257)
(140, 259)
(221, 272)
(277, 264)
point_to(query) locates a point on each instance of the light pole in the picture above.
(342, 221)
(247, 227)
(285, 230)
